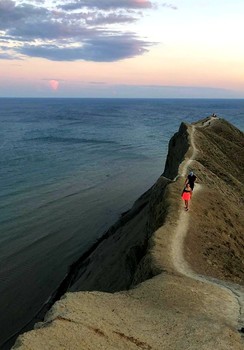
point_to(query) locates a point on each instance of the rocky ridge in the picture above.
(163, 278)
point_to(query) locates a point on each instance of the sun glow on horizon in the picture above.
(54, 84)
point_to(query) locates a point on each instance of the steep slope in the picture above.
(191, 302)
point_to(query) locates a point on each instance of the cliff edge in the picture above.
(161, 277)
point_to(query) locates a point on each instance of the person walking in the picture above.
(191, 178)
(186, 195)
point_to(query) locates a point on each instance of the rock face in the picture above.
(163, 278)
(112, 265)
(178, 147)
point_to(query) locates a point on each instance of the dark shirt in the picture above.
(185, 190)
(191, 180)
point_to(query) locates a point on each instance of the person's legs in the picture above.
(186, 204)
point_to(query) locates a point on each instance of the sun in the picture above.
(54, 84)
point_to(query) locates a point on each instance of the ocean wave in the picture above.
(70, 140)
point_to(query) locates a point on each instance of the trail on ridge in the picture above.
(177, 248)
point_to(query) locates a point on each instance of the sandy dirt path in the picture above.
(176, 309)
(177, 249)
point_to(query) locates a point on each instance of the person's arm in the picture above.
(183, 191)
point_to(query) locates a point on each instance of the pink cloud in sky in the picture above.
(54, 84)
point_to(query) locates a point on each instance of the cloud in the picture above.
(173, 7)
(12, 15)
(91, 30)
(6, 53)
(6, 56)
(97, 83)
(107, 4)
(111, 18)
(102, 49)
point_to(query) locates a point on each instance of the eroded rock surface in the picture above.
(185, 270)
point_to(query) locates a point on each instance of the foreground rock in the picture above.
(188, 282)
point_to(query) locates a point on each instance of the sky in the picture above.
(122, 48)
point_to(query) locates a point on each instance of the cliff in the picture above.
(163, 278)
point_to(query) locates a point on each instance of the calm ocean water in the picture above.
(69, 167)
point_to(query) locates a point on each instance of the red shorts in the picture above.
(186, 196)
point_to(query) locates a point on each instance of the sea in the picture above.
(68, 169)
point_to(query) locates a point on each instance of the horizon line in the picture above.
(124, 98)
